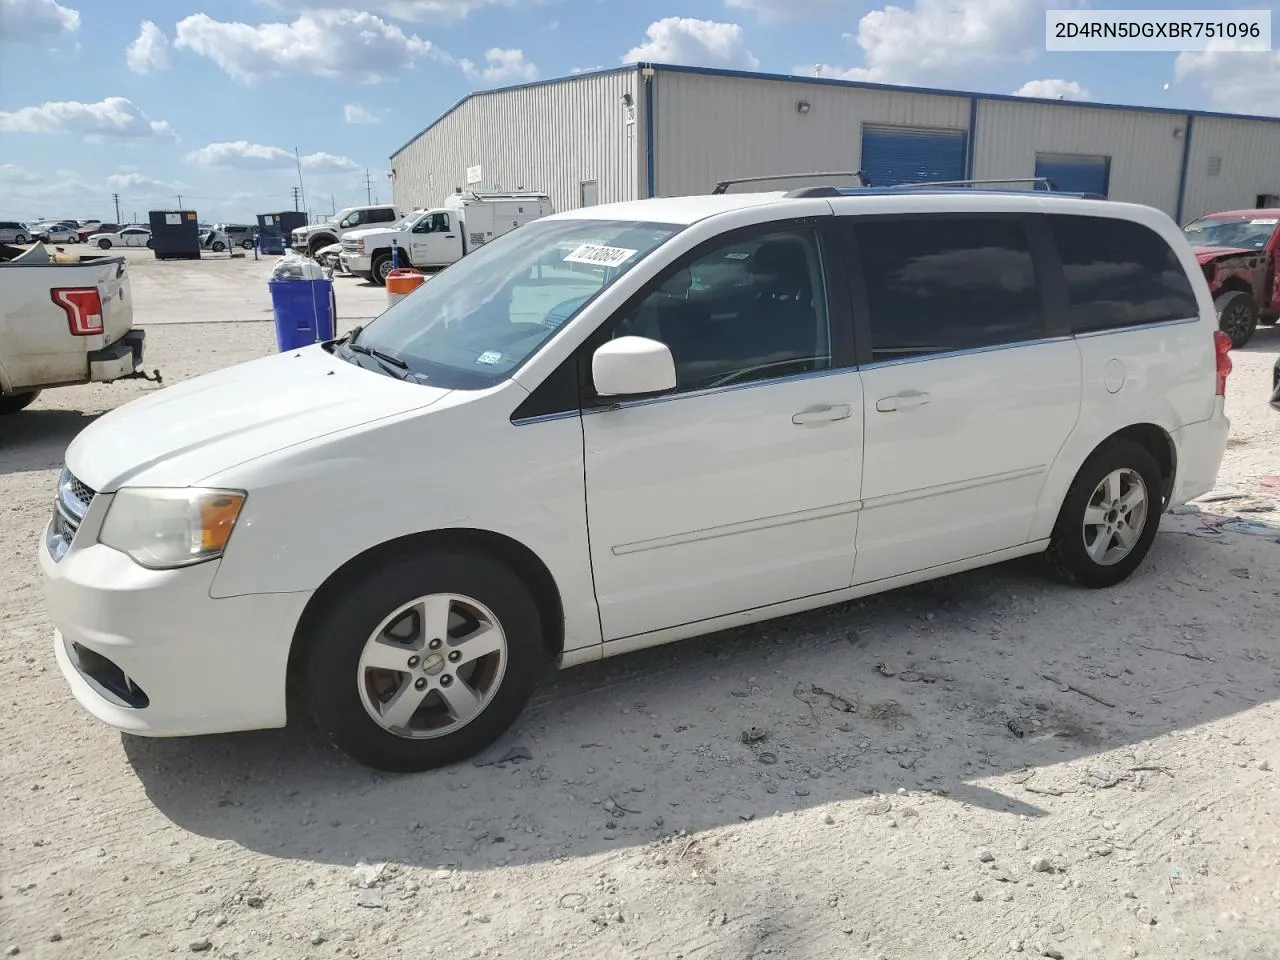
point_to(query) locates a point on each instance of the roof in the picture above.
(834, 82)
(1261, 213)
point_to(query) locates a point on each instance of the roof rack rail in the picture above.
(723, 185)
(1048, 183)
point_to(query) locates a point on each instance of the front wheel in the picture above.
(1237, 316)
(246, 244)
(20, 238)
(1109, 517)
(381, 267)
(425, 662)
(151, 244)
(219, 246)
(104, 244)
(14, 402)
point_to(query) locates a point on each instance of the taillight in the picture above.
(83, 306)
(1222, 349)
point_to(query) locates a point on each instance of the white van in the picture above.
(625, 425)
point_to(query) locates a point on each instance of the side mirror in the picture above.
(631, 366)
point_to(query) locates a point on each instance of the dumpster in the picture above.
(401, 282)
(303, 302)
(175, 234)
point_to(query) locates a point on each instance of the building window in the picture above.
(589, 193)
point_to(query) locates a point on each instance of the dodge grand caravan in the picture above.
(625, 425)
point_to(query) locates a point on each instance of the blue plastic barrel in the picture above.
(304, 311)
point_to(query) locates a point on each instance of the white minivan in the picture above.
(624, 425)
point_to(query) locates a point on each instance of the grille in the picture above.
(82, 494)
(350, 246)
(71, 503)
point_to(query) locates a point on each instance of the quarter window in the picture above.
(1120, 274)
(941, 284)
(748, 310)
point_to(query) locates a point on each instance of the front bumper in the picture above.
(356, 263)
(150, 652)
(120, 359)
(1200, 449)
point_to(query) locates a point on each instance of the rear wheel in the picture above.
(1109, 517)
(424, 662)
(247, 244)
(218, 246)
(1268, 320)
(20, 238)
(1237, 316)
(13, 402)
(104, 244)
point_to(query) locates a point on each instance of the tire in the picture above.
(1068, 554)
(246, 244)
(14, 402)
(151, 244)
(219, 246)
(380, 267)
(1237, 316)
(20, 238)
(343, 690)
(104, 244)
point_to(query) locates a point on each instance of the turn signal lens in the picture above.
(1222, 350)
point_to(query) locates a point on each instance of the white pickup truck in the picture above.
(435, 238)
(64, 323)
(311, 239)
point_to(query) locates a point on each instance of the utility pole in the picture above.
(333, 206)
(179, 196)
(295, 198)
(116, 198)
(368, 187)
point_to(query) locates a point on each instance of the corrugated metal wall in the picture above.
(549, 137)
(1248, 164)
(710, 127)
(1146, 158)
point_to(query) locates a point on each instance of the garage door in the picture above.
(892, 155)
(1075, 172)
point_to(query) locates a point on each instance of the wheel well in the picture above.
(1234, 284)
(1159, 444)
(519, 558)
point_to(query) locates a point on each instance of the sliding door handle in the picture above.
(902, 401)
(823, 414)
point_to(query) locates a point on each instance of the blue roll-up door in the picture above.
(1074, 172)
(893, 155)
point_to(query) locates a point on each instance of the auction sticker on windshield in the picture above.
(600, 256)
(1268, 221)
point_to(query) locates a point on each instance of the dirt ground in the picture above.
(992, 765)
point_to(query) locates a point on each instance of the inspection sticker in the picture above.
(600, 256)
(489, 357)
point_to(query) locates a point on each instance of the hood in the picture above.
(181, 434)
(1206, 252)
(367, 232)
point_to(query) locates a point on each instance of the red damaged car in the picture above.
(1238, 251)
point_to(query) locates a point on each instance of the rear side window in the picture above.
(1120, 274)
(940, 284)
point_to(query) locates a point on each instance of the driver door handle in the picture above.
(823, 414)
(902, 401)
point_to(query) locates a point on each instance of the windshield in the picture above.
(1251, 233)
(478, 320)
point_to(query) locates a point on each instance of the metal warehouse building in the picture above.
(652, 130)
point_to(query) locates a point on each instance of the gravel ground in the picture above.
(991, 765)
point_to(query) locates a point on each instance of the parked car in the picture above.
(241, 234)
(63, 324)
(312, 238)
(14, 231)
(214, 240)
(660, 409)
(127, 237)
(92, 227)
(1238, 251)
(56, 233)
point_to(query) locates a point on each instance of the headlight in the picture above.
(359, 246)
(163, 528)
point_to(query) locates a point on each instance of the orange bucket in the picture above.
(401, 282)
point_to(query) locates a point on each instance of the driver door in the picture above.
(739, 489)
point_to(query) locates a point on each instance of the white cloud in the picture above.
(354, 113)
(577, 70)
(112, 117)
(329, 43)
(150, 51)
(942, 40)
(503, 66)
(789, 9)
(22, 20)
(243, 155)
(1240, 82)
(421, 11)
(138, 184)
(1052, 89)
(12, 173)
(699, 43)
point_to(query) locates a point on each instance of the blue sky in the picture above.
(155, 98)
